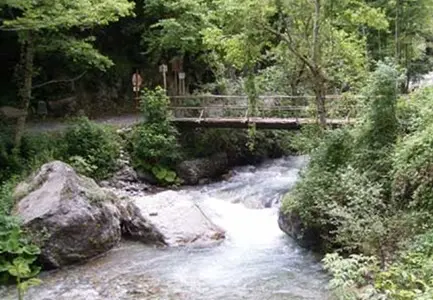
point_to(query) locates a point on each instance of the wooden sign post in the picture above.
(182, 83)
(137, 81)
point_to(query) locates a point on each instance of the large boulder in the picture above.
(181, 220)
(72, 219)
(291, 224)
(192, 171)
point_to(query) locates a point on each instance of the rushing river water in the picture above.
(256, 261)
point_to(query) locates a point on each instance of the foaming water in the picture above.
(256, 261)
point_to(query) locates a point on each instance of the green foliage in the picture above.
(410, 276)
(18, 256)
(376, 134)
(97, 146)
(235, 143)
(154, 143)
(349, 274)
(6, 199)
(54, 22)
(367, 190)
(82, 165)
(35, 150)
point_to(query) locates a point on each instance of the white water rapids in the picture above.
(256, 261)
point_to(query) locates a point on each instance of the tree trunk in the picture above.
(25, 85)
(320, 93)
(318, 78)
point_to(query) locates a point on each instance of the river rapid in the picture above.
(256, 261)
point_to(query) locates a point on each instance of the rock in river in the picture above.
(72, 219)
(291, 224)
(180, 220)
(192, 171)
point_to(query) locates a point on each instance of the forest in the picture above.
(363, 200)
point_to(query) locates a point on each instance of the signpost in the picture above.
(182, 83)
(137, 81)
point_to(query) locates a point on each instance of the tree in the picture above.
(408, 37)
(323, 35)
(56, 26)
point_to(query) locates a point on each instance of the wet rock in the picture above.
(180, 220)
(291, 224)
(135, 226)
(126, 174)
(192, 171)
(72, 219)
(145, 176)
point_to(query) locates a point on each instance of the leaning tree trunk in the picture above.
(319, 87)
(25, 85)
(320, 95)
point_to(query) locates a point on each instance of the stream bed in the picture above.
(256, 261)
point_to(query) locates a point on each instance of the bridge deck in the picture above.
(262, 123)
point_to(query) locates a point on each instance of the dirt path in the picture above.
(47, 126)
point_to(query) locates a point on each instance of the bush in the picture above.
(205, 142)
(97, 145)
(35, 150)
(413, 171)
(6, 199)
(154, 145)
(410, 276)
(18, 254)
(18, 257)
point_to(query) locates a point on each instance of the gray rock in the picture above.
(136, 227)
(146, 177)
(192, 171)
(126, 174)
(72, 219)
(291, 224)
(180, 220)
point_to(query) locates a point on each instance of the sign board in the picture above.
(137, 81)
(181, 75)
(163, 68)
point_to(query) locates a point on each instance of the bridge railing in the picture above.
(273, 106)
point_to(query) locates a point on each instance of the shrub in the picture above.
(413, 170)
(410, 276)
(307, 139)
(96, 144)
(18, 256)
(344, 193)
(154, 145)
(6, 199)
(350, 274)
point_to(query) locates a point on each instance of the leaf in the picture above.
(25, 285)
(31, 250)
(170, 177)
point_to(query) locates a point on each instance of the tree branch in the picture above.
(59, 81)
(287, 38)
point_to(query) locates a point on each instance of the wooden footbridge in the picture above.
(272, 112)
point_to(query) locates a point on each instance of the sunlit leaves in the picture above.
(63, 14)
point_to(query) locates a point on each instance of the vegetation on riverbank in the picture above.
(367, 192)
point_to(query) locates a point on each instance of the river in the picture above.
(256, 261)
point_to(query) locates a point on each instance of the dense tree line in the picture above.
(282, 46)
